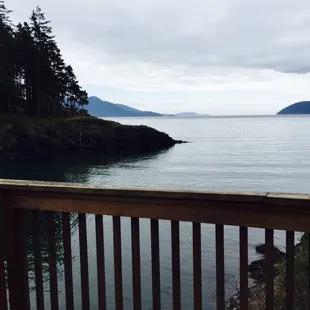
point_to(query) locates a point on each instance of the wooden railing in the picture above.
(19, 198)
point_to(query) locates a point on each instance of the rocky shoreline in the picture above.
(256, 273)
(256, 293)
(22, 138)
(256, 268)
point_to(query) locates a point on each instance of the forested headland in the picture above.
(34, 78)
(42, 104)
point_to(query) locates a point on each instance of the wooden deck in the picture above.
(288, 212)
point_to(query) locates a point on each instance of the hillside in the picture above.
(99, 108)
(302, 107)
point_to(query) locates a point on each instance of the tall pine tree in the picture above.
(34, 79)
(26, 65)
(8, 85)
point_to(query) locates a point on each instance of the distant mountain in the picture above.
(100, 108)
(302, 107)
(187, 114)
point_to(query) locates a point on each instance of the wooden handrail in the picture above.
(289, 212)
(248, 209)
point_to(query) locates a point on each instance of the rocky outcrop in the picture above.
(256, 268)
(256, 293)
(26, 138)
(256, 271)
(261, 249)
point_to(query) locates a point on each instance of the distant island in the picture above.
(302, 107)
(189, 114)
(101, 108)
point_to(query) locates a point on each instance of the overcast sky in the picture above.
(209, 56)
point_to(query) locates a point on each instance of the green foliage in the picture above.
(34, 79)
(257, 300)
(257, 292)
(301, 278)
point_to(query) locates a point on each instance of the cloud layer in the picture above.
(206, 48)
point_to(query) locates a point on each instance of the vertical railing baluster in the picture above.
(175, 255)
(36, 232)
(136, 264)
(17, 266)
(220, 276)
(269, 269)
(84, 261)
(118, 274)
(52, 259)
(243, 236)
(197, 266)
(3, 297)
(290, 270)
(66, 237)
(100, 262)
(20, 259)
(3, 301)
(11, 254)
(22, 262)
(155, 264)
(308, 252)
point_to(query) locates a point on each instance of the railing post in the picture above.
(3, 297)
(269, 269)
(15, 249)
(12, 272)
(21, 257)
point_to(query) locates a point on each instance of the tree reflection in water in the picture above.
(44, 244)
(63, 169)
(75, 168)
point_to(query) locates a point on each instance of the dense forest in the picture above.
(34, 79)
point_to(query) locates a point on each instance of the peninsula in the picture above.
(43, 109)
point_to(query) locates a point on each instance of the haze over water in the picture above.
(269, 154)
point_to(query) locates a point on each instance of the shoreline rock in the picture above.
(256, 267)
(256, 273)
(28, 138)
(261, 249)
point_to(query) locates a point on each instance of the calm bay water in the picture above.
(227, 153)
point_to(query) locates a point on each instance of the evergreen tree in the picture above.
(8, 87)
(58, 83)
(43, 74)
(75, 97)
(34, 79)
(26, 65)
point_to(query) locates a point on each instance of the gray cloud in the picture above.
(217, 57)
(238, 33)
